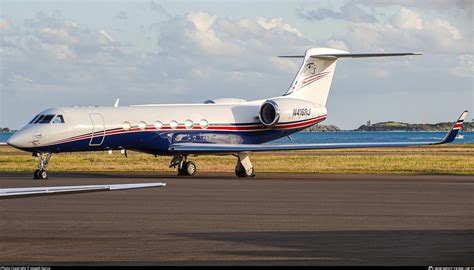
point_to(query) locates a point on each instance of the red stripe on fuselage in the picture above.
(250, 127)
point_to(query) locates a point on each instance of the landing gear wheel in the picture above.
(36, 174)
(240, 171)
(189, 168)
(42, 174)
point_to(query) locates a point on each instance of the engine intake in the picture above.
(285, 110)
(269, 113)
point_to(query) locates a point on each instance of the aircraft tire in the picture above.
(189, 168)
(43, 174)
(36, 174)
(240, 171)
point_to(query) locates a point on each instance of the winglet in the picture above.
(454, 130)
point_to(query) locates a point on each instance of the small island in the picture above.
(322, 128)
(400, 126)
(5, 129)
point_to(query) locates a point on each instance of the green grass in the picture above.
(451, 159)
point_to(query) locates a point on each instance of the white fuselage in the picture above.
(151, 128)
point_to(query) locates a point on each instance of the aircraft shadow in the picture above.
(373, 247)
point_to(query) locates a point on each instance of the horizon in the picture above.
(66, 53)
(389, 121)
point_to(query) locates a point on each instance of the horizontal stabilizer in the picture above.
(350, 55)
(39, 191)
(203, 148)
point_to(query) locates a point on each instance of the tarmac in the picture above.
(218, 219)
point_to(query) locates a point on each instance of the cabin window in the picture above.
(39, 118)
(142, 125)
(36, 117)
(188, 124)
(126, 125)
(204, 124)
(59, 119)
(173, 124)
(46, 119)
(158, 124)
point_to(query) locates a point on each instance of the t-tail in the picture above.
(313, 80)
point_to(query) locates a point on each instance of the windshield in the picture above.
(46, 119)
(39, 118)
(36, 117)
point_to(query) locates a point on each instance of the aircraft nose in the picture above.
(19, 140)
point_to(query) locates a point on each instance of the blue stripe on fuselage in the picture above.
(158, 142)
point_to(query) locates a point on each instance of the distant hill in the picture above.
(5, 129)
(322, 128)
(400, 126)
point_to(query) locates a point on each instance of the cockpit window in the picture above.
(59, 119)
(46, 119)
(39, 118)
(36, 117)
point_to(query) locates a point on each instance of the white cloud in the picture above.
(54, 29)
(277, 23)
(105, 38)
(349, 11)
(337, 44)
(204, 36)
(442, 5)
(50, 60)
(405, 30)
(58, 51)
(215, 36)
(202, 21)
(465, 66)
(407, 19)
(194, 52)
(5, 25)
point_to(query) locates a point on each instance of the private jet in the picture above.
(227, 126)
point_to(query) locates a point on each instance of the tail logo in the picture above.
(311, 66)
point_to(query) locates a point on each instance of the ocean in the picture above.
(352, 137)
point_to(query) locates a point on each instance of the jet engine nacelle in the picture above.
(282, 110)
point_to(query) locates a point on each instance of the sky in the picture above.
(78, 53)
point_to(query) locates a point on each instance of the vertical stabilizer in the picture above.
(313, 80)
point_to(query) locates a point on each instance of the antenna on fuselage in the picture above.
(117, 102)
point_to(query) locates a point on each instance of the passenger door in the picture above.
(98, 129)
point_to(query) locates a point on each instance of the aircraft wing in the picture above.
(202, 148)
(39, 191)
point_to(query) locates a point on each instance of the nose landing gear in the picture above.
(41, 173)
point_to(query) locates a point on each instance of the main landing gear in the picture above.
(243, 168)
(41, 173)
(184, 167)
